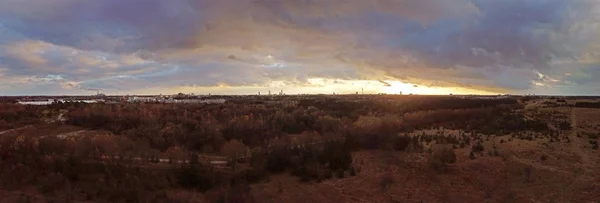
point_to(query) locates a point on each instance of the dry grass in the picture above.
(43, 130)
(569, 173)
(485, 179)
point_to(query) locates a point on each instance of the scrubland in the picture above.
(382, 148)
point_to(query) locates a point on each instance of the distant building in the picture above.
(176, 101)
(142, 99)
(51, 101)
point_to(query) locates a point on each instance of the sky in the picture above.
(75, 47)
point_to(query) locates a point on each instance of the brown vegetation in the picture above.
(336, 148)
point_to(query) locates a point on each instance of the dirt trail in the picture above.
(15, 129)
(70, 134)
(540, 166)
(59, 118)
(587, 163)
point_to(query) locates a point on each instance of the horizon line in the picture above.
(302, 94)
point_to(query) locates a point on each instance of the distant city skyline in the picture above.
(73, 47)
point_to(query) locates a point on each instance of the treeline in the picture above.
(482, 120)
(15, 115)
(9, 100)
(399, 105)
(587, 104)
(206, 127)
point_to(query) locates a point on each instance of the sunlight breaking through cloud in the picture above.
(131, 46)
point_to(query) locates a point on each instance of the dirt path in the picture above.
(15, 129)
(587, 162)
(61, 117)
(578, 146)
(71, 134)
(540, 166)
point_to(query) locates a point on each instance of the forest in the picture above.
(310, 138)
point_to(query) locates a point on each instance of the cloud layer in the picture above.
(129, 46)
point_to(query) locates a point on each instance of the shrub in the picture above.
(435, 164)
(279, 188)
(233, 149)
(594, 144)
(564, 125)
(527, 173)
(441, 156)
(195, 177)
(255, 174)
(278, 160)
(340, 173)
(477, 147)
(328, 175)
(400, 143)
(352, 171)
